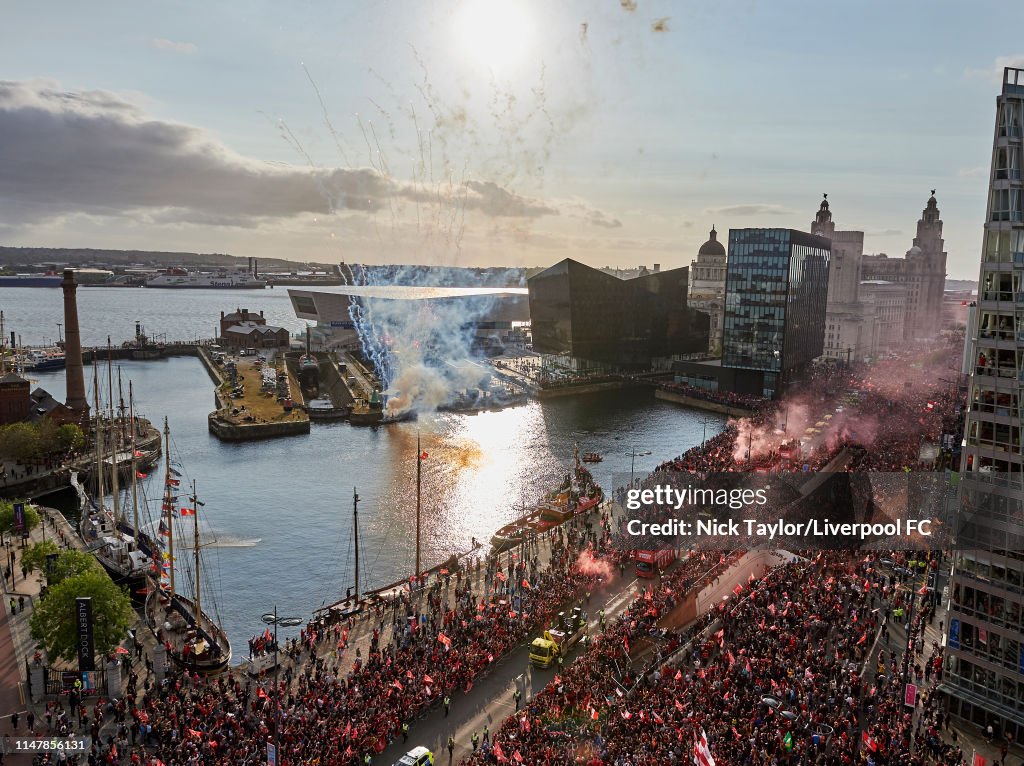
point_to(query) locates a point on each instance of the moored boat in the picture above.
(192, 639)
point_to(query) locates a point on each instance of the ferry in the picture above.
(49, 279)
(577, 494)
(41, 360)
(236, 279)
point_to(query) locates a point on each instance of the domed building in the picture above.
(707, 287)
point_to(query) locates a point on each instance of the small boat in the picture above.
(193, 640)
(592, 457)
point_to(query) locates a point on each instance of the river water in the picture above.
(280, 510)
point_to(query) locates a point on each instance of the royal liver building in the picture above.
(984, 679)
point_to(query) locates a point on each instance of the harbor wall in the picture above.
(232, 432)
(585, 388)
(701, 404)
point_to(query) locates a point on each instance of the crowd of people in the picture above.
(783, 674)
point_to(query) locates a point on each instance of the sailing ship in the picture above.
(120, 546)
(193, 640)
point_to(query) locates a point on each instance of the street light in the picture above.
(705, 422)
(271, 618)
(632, 462)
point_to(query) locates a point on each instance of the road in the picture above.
(490, 700)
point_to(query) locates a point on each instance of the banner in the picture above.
(910, 695)
(86, 648)
(954, 634)
(19, 517)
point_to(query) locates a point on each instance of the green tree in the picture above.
(19, 441)
(70, 437)
(7, 517)
(72, 564)
(46, 434)
(35, 556)
(53, 619)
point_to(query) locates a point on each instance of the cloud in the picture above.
(186, 49)
(748, 210)
(96, 153)
(597, 218)
(978, 170)
(489, 198)
(994, 72)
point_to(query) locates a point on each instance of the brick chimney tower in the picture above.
(75, 377)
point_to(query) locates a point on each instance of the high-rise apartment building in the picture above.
(984, 680)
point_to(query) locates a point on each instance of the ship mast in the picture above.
(167, 501)
(115, 488)
(419, 472)
(195, 546)
(98, 435)
(135, 470)
(355, 532)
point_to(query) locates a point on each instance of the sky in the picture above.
(495, 132)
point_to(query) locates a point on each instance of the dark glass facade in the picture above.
(599, 318)
(775, 291)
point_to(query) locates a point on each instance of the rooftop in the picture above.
(406, 293)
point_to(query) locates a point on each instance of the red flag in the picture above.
(188, 511)
(862, 639)
(424, 456)
(625, 643)
(679, 706)
(427, 679)
(870, 743)
(658, 718)
(499, 753)
(444, 640)
(173, 482)
(519, 759)
(409, 675)
(140, 475)
(738, 589)
(679, 675)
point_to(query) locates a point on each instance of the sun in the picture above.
(494, 33)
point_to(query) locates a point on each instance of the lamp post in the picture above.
(272, 618)
(704, 422)
(632, 462)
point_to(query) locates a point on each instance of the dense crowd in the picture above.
(781, 675)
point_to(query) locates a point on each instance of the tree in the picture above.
(35, 556)
(19, 441)
(70, 437)
(72, 564)
(53, 621)
(7, 517)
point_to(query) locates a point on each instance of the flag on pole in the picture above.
(188, 511)
(173, 482)
(701, 752)
(424, 456)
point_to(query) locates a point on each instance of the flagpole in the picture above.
(419, 472)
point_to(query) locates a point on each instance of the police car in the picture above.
(418, 756)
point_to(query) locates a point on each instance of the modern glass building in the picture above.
(775, 289)
(599, 319)
(984, 680)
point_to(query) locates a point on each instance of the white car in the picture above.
(418, 756)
